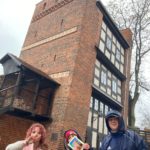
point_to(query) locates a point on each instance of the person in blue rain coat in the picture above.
(120, 138)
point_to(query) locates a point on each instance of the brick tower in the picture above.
(68, 40)
(61, 42)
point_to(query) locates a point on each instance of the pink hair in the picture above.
(42, 130)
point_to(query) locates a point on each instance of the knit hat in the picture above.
(68, 133)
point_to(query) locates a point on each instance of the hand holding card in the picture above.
(76, 144)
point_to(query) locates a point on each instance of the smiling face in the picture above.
(36, 134)
(70, 137)
(69, 134)
(113, 123)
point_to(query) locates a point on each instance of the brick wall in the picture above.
(127, 34)
(12, 129)
(62, 44)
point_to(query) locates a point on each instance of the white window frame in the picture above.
(103, 77)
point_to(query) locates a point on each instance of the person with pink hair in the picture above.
(35, 139)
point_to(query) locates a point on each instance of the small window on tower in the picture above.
(118, 54)
(56, 1)
(44, 5)
(103, 77)
(114, 86)
(108, 43)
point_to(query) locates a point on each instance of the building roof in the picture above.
(19, 63)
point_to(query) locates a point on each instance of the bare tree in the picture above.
(145, 113)
(134, 14)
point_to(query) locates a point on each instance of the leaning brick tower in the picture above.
(60, 41)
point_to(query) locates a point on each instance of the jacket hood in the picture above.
(114, 113)
(66, 137)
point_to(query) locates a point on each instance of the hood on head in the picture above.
(67, 134)
(114, 113)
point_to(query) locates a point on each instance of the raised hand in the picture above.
(86, 146)
(29, 140)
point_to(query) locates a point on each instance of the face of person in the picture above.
(70, 137)
(113, 123)
(36, 134)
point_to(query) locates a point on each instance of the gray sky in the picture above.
(14, 21)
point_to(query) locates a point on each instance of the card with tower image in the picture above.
(76, 142)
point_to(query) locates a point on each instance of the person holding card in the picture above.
(35, 138)
(73, 141)
(120, 138)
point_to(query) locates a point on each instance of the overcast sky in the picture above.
(15, 17)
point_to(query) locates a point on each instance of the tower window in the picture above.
(114, 86)
(108, 43)
(118, 55)
(103, 77)
(44, 5)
